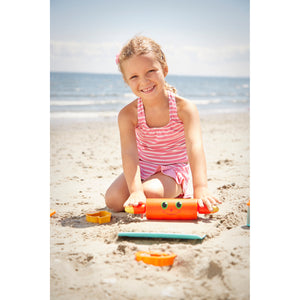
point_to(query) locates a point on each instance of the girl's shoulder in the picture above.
(129, 112)
(185, 108)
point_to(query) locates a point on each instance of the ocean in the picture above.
(101, 96)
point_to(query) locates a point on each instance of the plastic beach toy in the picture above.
(155, 258)
(170, 209)
(161, 235)
(52, 212)
(248, 214)
(99, 217)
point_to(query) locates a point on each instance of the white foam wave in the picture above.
(82, 115)
(207, 101)
(84, 102)
(130, 95)
(224, 110)
(239, 100)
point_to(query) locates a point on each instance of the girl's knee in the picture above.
(161, 186)
(112, 200)
(109, 198)
(152, 189)
(153, 193)
(117, 194)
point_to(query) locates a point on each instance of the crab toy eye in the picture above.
(164, 205)
(178, 204)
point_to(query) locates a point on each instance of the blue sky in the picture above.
(199, 37)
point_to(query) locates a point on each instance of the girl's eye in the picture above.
(133, 77)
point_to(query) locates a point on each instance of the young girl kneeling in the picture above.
(160, 135)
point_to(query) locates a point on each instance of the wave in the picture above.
(92, 95)
(200, 102)
(84, 102)
(113, 114)
(82, 115)
(206, 101)
(240, 101)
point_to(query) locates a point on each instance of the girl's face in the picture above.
(144, 75)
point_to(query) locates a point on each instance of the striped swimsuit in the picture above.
(163, 149)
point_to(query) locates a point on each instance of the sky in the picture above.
(199, 37)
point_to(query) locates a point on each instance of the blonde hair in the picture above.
(140, 45)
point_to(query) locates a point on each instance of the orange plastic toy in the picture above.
(99, 217)
(155, 258)
(170, 209)
(52, 212)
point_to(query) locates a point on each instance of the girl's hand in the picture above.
(204, 196)
(135, 199)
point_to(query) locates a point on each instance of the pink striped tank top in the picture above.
(163, 149)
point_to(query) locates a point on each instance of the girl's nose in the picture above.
(144, 79)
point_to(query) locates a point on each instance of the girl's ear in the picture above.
(166, 70)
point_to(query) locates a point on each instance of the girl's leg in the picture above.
(158, 185)
(117, 194)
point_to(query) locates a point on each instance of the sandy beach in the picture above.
(89, 261)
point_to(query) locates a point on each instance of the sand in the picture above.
(89, 261)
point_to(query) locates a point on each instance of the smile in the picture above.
(148, 90)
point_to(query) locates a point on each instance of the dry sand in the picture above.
(88, 261)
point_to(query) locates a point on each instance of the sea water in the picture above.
(98, 96)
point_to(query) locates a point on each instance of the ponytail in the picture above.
(170, 88)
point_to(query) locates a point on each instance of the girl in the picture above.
(160, 135)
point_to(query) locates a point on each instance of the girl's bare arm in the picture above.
(188, 113)
(127, 122)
